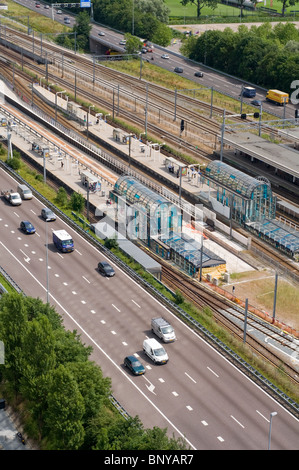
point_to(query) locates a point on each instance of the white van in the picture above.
(155, 351)
(24, 192)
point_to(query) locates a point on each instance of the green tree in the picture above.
(286, 4)
(199, 4)
(77, 202)
(65, 409)
(82, 27)
(61, 197)
(13, 325)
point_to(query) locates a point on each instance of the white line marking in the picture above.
(212, 372)
(237, 421)
(190, 378)
(86, 279)
(136, 303)
(115, 308)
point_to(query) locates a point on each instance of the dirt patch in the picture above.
(259, 286)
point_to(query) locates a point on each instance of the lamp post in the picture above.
(274, 413)
(89, 107)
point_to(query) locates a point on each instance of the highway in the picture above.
(198, 394)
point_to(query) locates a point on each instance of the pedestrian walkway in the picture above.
(8, 431)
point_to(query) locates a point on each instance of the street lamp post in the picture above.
(274, 413)
(89, 107)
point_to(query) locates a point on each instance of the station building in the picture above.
(155, 221)
(249, 199)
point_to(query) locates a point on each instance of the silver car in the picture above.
(48, 215)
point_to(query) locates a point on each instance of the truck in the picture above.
(278, 97)
(63, 241)
(249, 92)
(12, 197)
(163, 329)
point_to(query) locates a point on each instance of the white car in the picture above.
(101, 33)
(59, 12)
(122, 42)
(165, 56)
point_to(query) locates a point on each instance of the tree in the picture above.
(286, 4)
(13, 325)
(200, 4)
(82, 27)
(65, 409)
(77, 202)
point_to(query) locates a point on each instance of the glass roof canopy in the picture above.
(277, 232)
(233, 179)
(136, 192)
(190, 249)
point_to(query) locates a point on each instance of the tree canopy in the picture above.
(261, 55)
(64, 395)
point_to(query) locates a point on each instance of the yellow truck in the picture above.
(278, 97)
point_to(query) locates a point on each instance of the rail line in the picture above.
(223, 310)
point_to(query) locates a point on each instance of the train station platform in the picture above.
(67, 163)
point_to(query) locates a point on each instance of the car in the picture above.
(105, 269)
(59, 12)
(122, 42)
(144, 50)
(150, 48)
(198, 74)
(101, 33)
(178, 70)
(47, 214)
(46, 7)
(37, 5)
(165, 56)
(256, 102)
(135, 366)
(27, 227)
(67, 20)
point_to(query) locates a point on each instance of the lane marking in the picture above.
(237, 421)
(136, 303)
(213, 372)
(189, 377)
(120, 370)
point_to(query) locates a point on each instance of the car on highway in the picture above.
(135, 366)
(198, 74)
(144, 50)
(256, 102)
(67, 20)
(178, 70)
(165, 56)
(47, 214)
(59, 12)
(27, 227)
(122, 42)
(105, 269)
(37, 5)
(101, 33)
(46, 7)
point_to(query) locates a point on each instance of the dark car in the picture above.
(256, 102)
(27, 226)
(135, 366)
(47, 214)
(105, 269)
(178, 70)
(198, 74)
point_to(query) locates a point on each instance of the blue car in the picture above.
(27, 227)
(134, 365)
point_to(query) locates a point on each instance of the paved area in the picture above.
(8, 431)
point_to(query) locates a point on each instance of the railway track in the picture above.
(23, 81)
(228, 316)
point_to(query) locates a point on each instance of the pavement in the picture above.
(8, 431)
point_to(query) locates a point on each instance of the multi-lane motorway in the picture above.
(198, 394)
